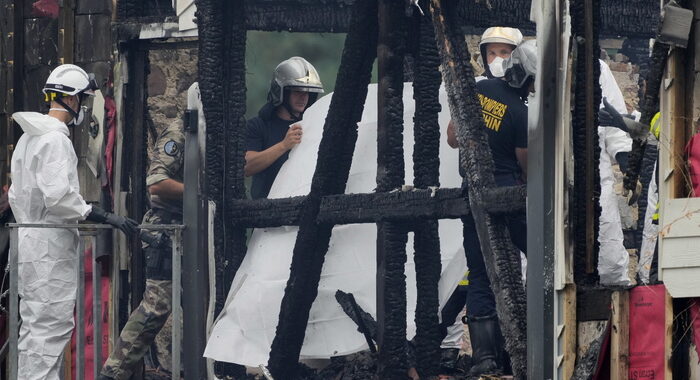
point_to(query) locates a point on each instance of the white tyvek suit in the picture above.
(650, 233)
(45, 189)
(613, 259)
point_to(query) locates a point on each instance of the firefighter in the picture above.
(272, 134)
(505, 117)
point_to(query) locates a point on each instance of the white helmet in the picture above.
(69, 80)
(501, 35)
(522, 64)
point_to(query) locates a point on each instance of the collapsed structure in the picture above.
(113, 40)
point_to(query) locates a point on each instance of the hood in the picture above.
(37, 124)
(267, 111)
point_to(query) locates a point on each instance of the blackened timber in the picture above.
(134, 166)
(648, 105)
(411, 205)
(586, 150)
(501, 257)
(234, 96)
(391, 236)
(426, 169)
(221, 71)
(637, 18)
(330, 177)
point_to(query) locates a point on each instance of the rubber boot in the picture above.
(487, 345)
(448, 360)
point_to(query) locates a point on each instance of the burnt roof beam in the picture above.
(415, 205)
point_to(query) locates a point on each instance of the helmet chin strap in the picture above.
(66, 108)
(294, 117)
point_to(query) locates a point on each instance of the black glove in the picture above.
(622, 159)
(127, 225)
(609, 117)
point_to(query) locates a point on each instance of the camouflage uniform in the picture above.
(166, 162)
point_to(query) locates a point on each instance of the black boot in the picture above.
(449, 358)
(487, 345)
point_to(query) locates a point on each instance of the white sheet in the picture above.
(244, 331)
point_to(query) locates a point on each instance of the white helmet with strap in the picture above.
(501, 35)
(69, 80)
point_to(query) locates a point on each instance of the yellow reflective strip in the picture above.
(655, 126)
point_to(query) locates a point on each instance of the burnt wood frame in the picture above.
(322, 207)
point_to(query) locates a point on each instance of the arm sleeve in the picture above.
(254, 137)
(616, 140)
(56, 167)
(520, 127)
(166, 158)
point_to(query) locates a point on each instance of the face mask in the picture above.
(496, 67)
(81, 115)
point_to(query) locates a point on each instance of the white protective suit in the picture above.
(45, 189)
(613, 259)
(244, 331)
(650, 232)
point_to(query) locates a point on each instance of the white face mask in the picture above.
(496, 68)
(81, 115)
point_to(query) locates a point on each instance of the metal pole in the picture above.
(194, 280)
(540, 190)
(96, 307)
(13, 304)
(80, 307)
(176, 308)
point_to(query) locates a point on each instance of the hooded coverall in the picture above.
(45, 189)
(613, 258)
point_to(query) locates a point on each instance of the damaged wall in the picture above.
(171, 74)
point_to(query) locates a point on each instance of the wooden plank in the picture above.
(67, 362)
(94, 7)
(619, 336)
(66, 31)
(668, 340)
(570, 332)
(93, 38)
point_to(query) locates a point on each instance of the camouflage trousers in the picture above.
(140, 331)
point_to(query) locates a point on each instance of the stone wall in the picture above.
(171, 74)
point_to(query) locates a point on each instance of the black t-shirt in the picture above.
(505, 116)
(264, 131)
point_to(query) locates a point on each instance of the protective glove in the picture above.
(632, 196)
(609, 117)
(127, 225)
(622, 159)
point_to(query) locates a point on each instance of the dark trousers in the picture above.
(480, 299)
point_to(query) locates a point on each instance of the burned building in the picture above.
(146, 54)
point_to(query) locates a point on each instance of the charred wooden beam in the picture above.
(502, 259)
(426, 170)
(637, 18)
(649, 105)
(221, 69)
(330, 177)
(587, 94)
(391, 236)
(409, 206)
